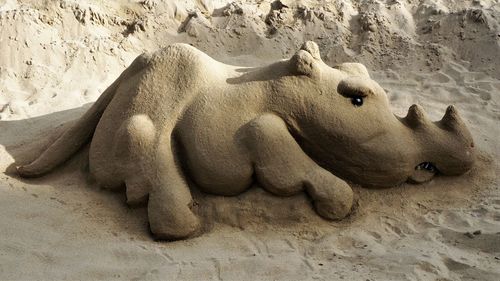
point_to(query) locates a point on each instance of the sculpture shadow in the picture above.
(265, 73)
(24, 140)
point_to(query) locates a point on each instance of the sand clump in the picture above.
(57, 57)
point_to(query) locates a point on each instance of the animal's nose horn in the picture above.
(451, 120)
(416, 116)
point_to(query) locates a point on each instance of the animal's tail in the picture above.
(80, 132)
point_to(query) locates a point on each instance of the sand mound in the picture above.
(56, 56)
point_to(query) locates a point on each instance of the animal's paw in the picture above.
(172, 221)
(333, 198)
(335, 208)
(171, 232)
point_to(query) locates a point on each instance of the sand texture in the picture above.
(57, 58)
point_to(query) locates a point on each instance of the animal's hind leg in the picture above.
(134, 146)
(118, 161)
(170, 201)
(147, 165)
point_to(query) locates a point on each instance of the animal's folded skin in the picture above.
(293, 125)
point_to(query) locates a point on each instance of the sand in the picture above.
(57, 57)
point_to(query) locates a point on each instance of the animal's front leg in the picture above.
(170, 201)
(283, 168)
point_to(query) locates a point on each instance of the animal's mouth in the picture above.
(423, 172)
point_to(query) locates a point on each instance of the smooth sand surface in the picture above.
(57, 57)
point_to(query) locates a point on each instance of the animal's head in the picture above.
(342, 118)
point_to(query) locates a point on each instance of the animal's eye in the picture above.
(357, 101)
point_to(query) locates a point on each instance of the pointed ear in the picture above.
(306, 60)
(303, 63)
(353, 68)
(312, 48)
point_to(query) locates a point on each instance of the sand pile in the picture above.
(56, 57)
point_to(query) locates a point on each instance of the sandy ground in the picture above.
(56, 57)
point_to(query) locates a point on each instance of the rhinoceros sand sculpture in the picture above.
(293, 125)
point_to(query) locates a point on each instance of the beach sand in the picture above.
(56, 57)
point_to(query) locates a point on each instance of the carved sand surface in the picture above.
(256, 131)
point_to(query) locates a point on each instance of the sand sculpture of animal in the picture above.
(293, 125)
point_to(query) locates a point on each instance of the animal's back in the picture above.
(159, 92)
(173, 76)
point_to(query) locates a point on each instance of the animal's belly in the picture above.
(213, 157)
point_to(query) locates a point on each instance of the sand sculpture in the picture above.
(293, 125)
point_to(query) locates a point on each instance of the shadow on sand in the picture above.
(25, 139)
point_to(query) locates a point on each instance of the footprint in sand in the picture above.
(488, 243)
(484, 95)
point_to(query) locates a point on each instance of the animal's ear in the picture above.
(312, 48)
(306, 60)
(303, 63)
(352, 68)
